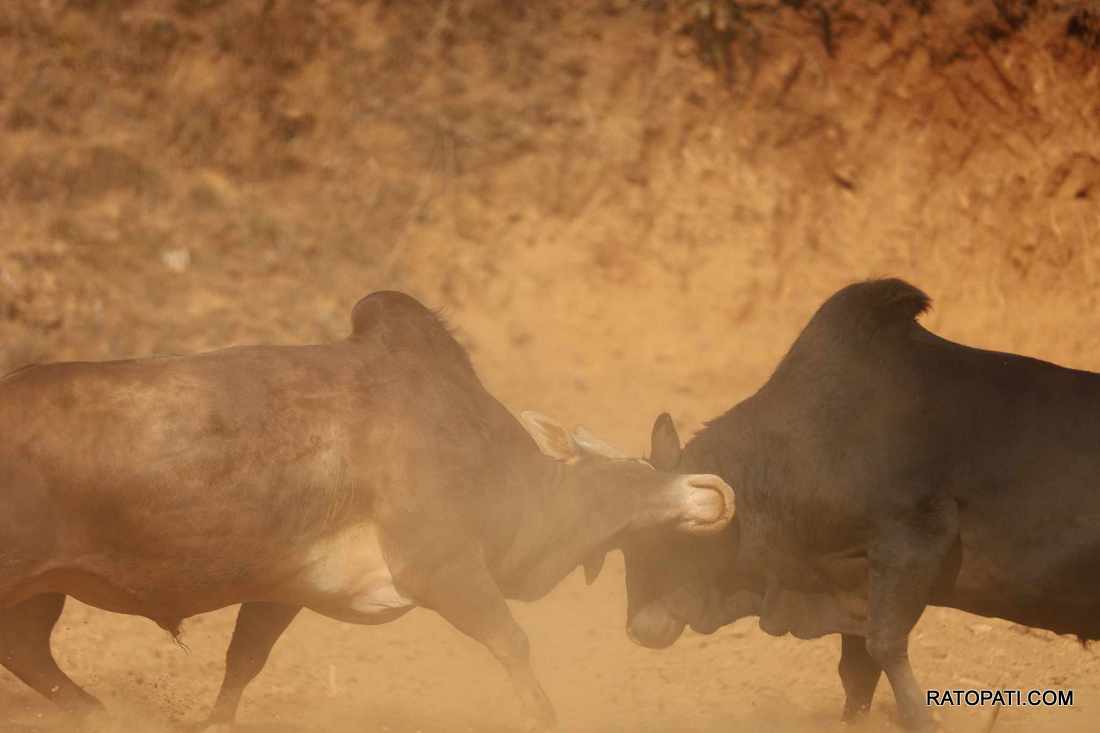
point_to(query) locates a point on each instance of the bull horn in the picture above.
(591, 444)
(711, 482)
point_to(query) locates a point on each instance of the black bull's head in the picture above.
(678, 581)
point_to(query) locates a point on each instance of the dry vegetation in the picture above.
(616, 226)
(181, 175)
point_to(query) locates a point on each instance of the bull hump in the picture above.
(399, 322)
(854, 318)
(386, 307)
(880, 301)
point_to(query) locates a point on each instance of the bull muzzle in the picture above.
(654, 627)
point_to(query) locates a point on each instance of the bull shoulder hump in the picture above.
(855, 317)
(397, 322)
(874, 303)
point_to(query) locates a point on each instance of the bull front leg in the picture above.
(259, 626)
(466, 595)
(859, 675)
(907, 557)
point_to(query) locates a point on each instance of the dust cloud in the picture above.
(614, 227)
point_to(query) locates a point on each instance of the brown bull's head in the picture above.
(644, 500)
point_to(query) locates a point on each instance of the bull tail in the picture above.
(990, 720)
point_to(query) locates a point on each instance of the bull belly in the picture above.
(133, 590)
(345, 576)
(351, 589)
(1052, 614)
(1048, 586)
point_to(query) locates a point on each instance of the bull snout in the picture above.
(708, 505)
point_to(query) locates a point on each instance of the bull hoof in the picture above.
(539, 715)
(854, 714)
(95, 720)
(208, 726)
(547, 721)
(926, 724)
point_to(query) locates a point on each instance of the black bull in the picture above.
(882, 469)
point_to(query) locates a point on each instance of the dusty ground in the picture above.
(616, 231)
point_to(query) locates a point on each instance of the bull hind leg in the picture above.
(907, 558)
(25, 630)
(259, 626)
(859, 674)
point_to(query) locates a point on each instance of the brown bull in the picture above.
(360, 479)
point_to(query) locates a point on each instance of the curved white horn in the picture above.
(591, 444)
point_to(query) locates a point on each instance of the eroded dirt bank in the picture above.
(615, 229)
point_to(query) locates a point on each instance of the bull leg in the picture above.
(468, 598)
(859, 674)
(906, 558)
(489, 621)
(25, 630)
(259, 626)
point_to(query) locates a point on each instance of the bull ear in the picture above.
(664, 444)
(553, 440)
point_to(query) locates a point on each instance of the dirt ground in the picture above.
(615, 229)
